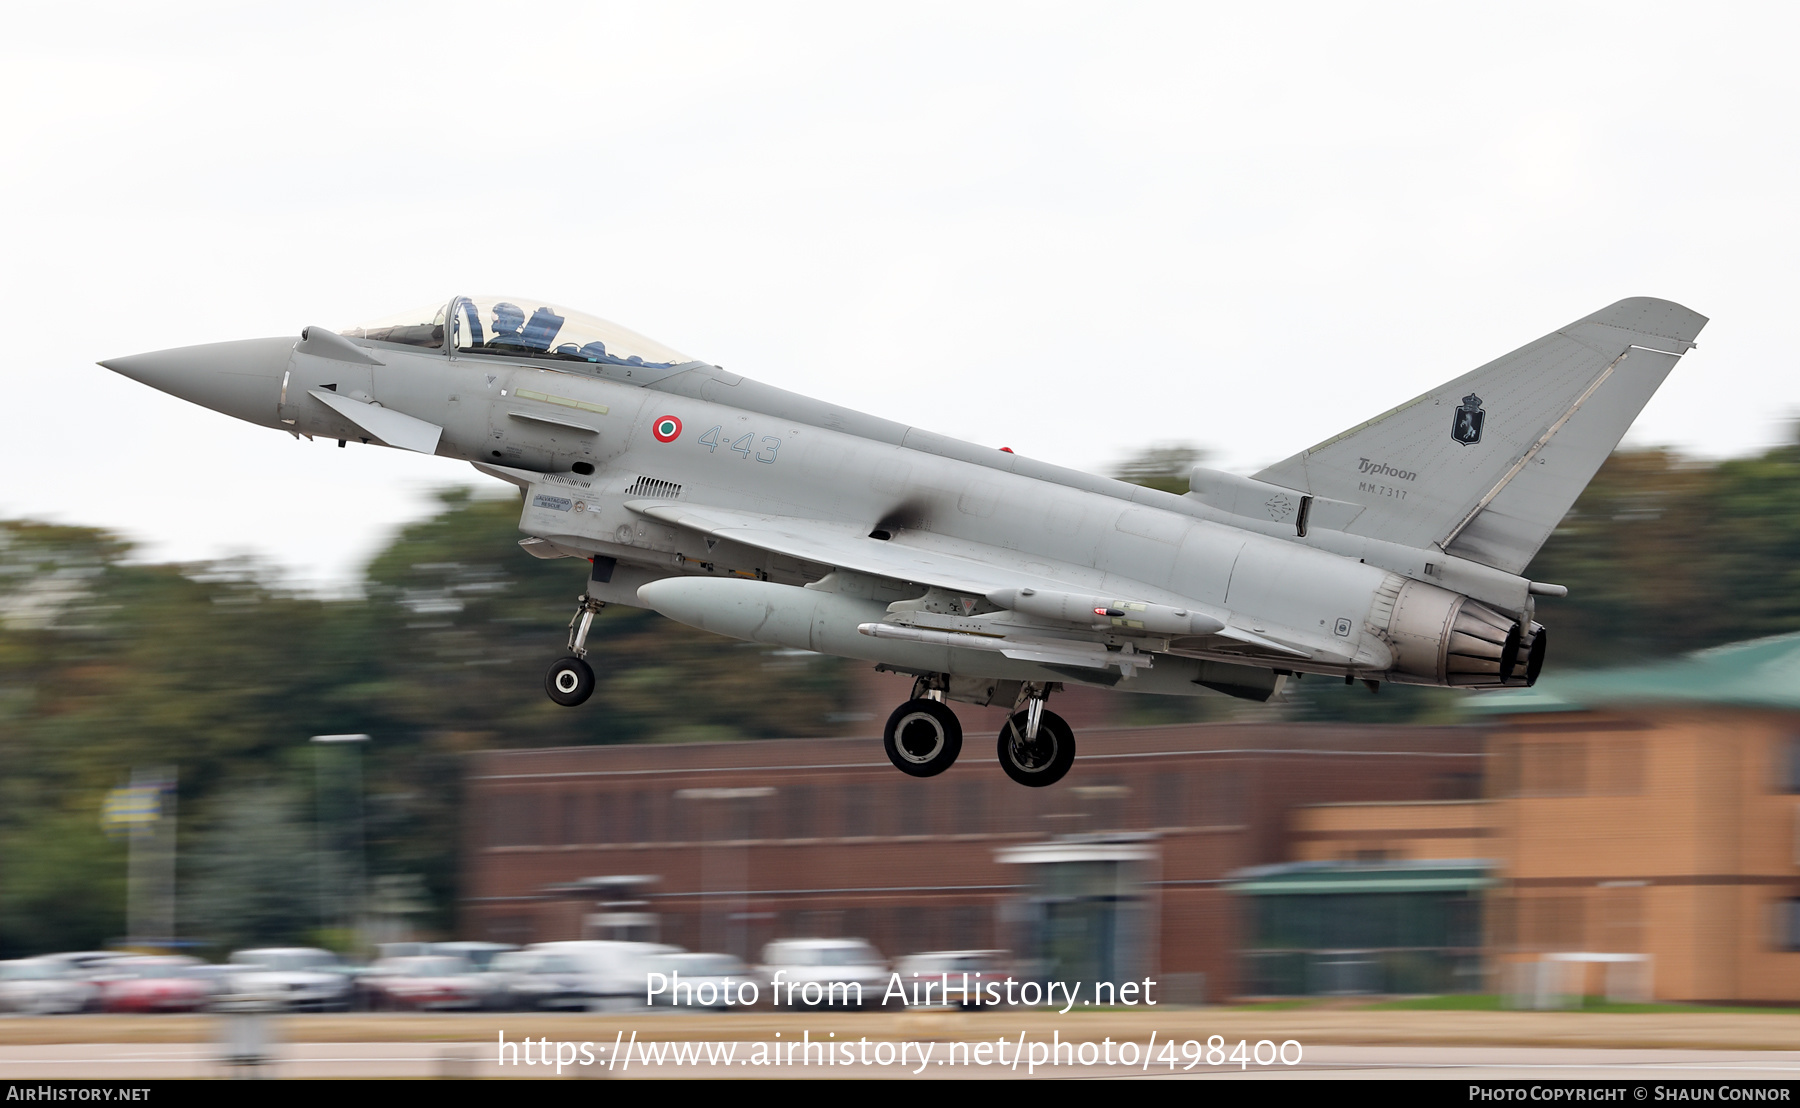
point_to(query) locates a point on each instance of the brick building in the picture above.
(728, 845)
(1644, 818)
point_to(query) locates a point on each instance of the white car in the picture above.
(956, 976)
(613, 973)
(528, 981)
(44, 987)
(824, 973)
(292, 976)
(689, 980)
(479, 955)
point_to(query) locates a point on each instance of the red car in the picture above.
(432, 981)
(155, 984)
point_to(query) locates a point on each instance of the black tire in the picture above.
(1042, 761)
(922, 738)
(570, 681)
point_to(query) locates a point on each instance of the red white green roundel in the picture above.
(666, 428)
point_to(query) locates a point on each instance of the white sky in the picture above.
(1070, 230)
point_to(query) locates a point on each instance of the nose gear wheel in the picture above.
(1037, 760)
(922, 737)
(570, 681)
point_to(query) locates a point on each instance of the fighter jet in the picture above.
(1392, 552)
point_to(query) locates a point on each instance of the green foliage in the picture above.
(1663, 555)
(1163, 466)
(251, 884)
(63, 883)
(106, 666)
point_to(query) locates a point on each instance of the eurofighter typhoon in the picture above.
(1392, 552)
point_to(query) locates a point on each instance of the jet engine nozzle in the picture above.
(1444, 638)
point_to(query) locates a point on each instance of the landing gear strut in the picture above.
(1036, 746)
(571, 680)
(923, 736)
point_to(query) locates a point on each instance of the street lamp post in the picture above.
(356, 885)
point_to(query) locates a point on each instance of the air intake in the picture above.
(655, 487)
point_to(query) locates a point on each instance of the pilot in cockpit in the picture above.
(508, 319)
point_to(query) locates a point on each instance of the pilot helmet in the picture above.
(508, 318)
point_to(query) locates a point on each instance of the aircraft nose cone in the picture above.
(241, 379)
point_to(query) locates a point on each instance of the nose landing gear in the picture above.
(1036, 746)
(923, 736)
(571, 680)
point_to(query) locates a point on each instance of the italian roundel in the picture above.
(666, 428)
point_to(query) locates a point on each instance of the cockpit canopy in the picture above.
(519, 327)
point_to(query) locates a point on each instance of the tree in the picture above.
(256, 879)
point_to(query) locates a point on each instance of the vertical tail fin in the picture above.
(1485, 466)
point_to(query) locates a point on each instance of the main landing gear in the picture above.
(571, 680)
(923, 736)
(1036, 746)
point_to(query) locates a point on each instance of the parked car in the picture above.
(89, 965)
(479, 955)
(533, 980)
(954, 974)
(424, 982)
(693, 980)
(612, 972)
(292, 976)
(44, 987)
(155, 984)
(819, 973)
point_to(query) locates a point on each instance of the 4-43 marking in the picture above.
(749, 445)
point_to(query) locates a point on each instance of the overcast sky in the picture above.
(1072, 230)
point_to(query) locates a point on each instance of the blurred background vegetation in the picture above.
(106, 665)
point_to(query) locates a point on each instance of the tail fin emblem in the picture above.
(1465, 424)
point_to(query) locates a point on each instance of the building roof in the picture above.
(1761, 673)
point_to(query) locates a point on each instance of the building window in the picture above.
(1170, 795)
(1787, 924)
(639, 818)
(1224, 804)
(1552, 769)
(799, 812)
(604, 831)
(971, 814)
(966, 932)
(1619, 927)
(859, 818)
(515, 817)
(1788, 764)
(1551, 923)
(1618, 767)
(911, 932)
(915, 809)
(571, 820)
(1456, 786)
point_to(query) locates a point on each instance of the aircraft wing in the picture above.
(1063, 593)
(977, 569)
